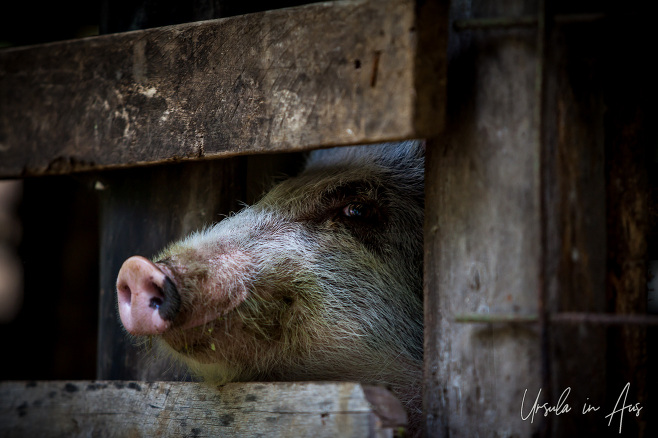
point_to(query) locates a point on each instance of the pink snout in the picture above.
(148, 299)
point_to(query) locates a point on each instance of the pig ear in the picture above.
(390, 155)
(402, 156)
(421, 148)
(415, 148)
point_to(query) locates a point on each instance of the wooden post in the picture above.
(574, 222)
(482, 234)
(536, 204)
(630, 99)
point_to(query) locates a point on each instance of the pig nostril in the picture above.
(125, 294)
(157, 298)
(148, 300)
(155, 302)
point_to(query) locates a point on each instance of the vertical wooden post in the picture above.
(538, 190)
(482, 232)
(630, 99)
(574, 220)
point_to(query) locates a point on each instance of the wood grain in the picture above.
(148, 409)
(482, 234)
(325, 74)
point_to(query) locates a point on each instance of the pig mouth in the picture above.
(202, 311)
(199, 338)
(153, 300)
(218, 299)
(195, 342)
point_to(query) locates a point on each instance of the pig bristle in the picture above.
(319, 297)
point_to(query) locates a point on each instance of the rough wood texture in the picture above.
(325, 74)
(631, 138)
(143, 409)
(574, 220)
(482, 233)
(516, 205)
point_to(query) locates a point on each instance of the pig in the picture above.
(319, 280)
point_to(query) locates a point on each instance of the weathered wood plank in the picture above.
(516, 216)
(148, 409)
(631, 140)
(482, 233)
(324, 74)
(575, 221)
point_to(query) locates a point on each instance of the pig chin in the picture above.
(203, 337)
(197, 343)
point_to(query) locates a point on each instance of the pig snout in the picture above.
(148, 299)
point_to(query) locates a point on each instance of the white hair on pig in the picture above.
(321, 279)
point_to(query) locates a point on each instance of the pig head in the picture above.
(321, 279)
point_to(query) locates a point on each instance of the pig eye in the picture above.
(357, 210)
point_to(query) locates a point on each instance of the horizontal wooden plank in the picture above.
(324, 74)
(148, 409)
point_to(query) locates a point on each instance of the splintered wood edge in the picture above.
(131, 408)
(320, 75)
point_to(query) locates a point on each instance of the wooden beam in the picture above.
(333, 73)
(147, 409)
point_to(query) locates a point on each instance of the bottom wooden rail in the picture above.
(147, 409)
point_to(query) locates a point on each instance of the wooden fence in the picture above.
(538, 221)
